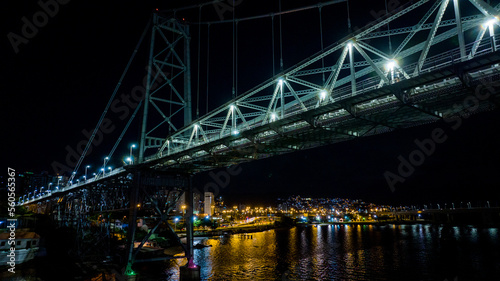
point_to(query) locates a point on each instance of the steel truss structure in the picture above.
(442, 60)
(168, 87)
(151, 194)
(368, 89)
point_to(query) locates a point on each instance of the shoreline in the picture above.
(253, 229)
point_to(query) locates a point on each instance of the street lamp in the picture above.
(104, 165)
(86, 167)
(131, 157)
(175, 223)
(129, 160)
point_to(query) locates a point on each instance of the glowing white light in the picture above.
(280, 81)
(273, 116)
(490, 22)
(390, 65)
(322, 95)
(231, 107)
(196, 126)
(349, 44)
(235, 132)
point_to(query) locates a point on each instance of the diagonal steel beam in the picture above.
(372, 64)
(485, 8)
(335, 74)
(430, 38)
(461, 40)
(418, 27)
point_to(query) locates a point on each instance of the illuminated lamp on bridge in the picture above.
(390, 65)
(322, 95)
(273, 117)
(129, 160)
(490, 22)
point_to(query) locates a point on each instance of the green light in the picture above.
(129, 271)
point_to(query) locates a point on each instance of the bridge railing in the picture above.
(73, 186)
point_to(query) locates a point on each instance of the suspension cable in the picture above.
(321, 39)
(388, 29)
(281, 41)
(236, 59)
(208, 61)
(198, 69)
(111, 99)
(125, 129)
(171, 92)
(275, 14)
(272, 36)
(348, 18)
(233, 92)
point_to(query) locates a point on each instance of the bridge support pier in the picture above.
(132, 226)
(189, 272)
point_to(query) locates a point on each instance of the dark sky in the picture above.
(58, 83)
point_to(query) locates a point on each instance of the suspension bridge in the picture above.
(442, 61)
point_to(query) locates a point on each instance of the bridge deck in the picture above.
(430, 97)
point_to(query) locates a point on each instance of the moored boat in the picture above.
(26, 245)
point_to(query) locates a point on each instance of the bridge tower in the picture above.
(168, 85)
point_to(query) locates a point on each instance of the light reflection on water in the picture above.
(353, 252)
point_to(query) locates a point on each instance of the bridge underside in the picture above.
(458, 89)
(95, 210)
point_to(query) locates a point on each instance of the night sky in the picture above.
(58, 83)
